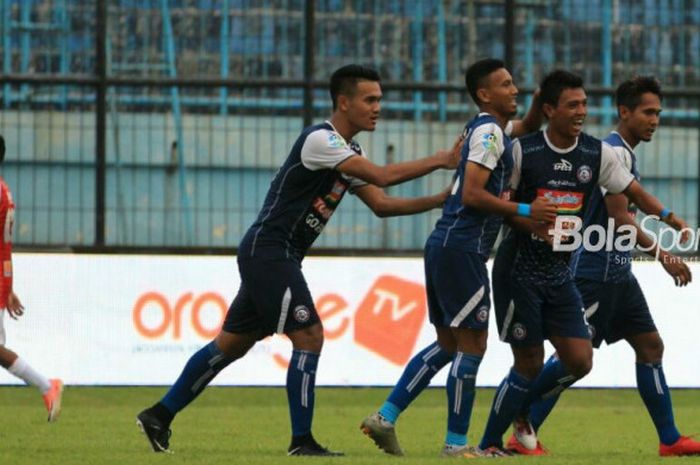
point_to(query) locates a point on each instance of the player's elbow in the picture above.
(470, 198)
(382, 209)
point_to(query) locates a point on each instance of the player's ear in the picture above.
(548, 110)
(343, 102)
(623, 112)
(483, 94)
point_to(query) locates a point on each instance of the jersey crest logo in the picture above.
(563, 165)
(584, 174)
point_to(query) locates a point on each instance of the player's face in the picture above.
(362, 108)
(502, 93)
(567, 118)
(644, 119)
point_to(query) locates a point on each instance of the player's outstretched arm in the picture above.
(475, 195)
(384, 205)
(652, 206)
(396, 173)
(533, 119)
(617, 204)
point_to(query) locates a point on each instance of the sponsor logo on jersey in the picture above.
(335, 140)
(563, 165)
(584, 174)
(567, 202)
(490, 141)
(336, 193)
(560, 183)
(533, 148)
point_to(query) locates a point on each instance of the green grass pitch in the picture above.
(234, 426)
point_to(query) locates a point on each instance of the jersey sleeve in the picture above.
(517, 152)
(625, 158)
(614, 176)
(355, 183)
(324, 149)
(486, 145)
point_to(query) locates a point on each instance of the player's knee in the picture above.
(652, 351)
(580, 366)
(528, 361)
(309, 339)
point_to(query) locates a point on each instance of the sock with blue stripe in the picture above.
(461, 383)
(301, 383)
(546, 389)
(200, 369)
(652, 387)
(507, 402)
(416, 377)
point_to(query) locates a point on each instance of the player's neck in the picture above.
(560, 141)
(343, 126)
(502, 120)
(627, 135)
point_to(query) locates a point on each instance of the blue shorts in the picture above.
(457, 285)
(615, 310)
(501, 277)
(273, 298)
(538, 312)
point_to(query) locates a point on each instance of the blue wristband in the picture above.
(664, 213)
(524, 209)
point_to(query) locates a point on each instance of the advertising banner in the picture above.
(136, 319)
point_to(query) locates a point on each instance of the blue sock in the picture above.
(546, 389)
(652, 387)
(200, 369)
(416, 377)
(460, 397)
(508, 400)
(301, 381)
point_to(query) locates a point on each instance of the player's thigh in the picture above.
(457, 288)
(278, 295)
(521, 323)
(632, 314)
(599, 303)
(563, 312)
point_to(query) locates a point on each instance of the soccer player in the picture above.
(567, 166)
(455, 260)
(273, 297)
(615, 305)
(51, 389)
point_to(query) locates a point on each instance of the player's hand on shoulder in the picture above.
(14, 306)
(450, 158)
(542, 209)
(677, 268)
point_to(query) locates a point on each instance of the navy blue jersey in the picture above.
(567, 177)
(467, 228)
(302, 197)
(607, 265)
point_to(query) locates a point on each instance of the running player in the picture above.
(322, 165)
(615, 305)
(455, 260)
(51, 389)
(564, 165)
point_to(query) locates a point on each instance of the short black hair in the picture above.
(345, 79)
(555, 82)
(477, 72)
(630, 92)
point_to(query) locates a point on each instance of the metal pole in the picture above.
(223, 92)
(100, 121)
(309, 25)
(509, 35)
(606, 46)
